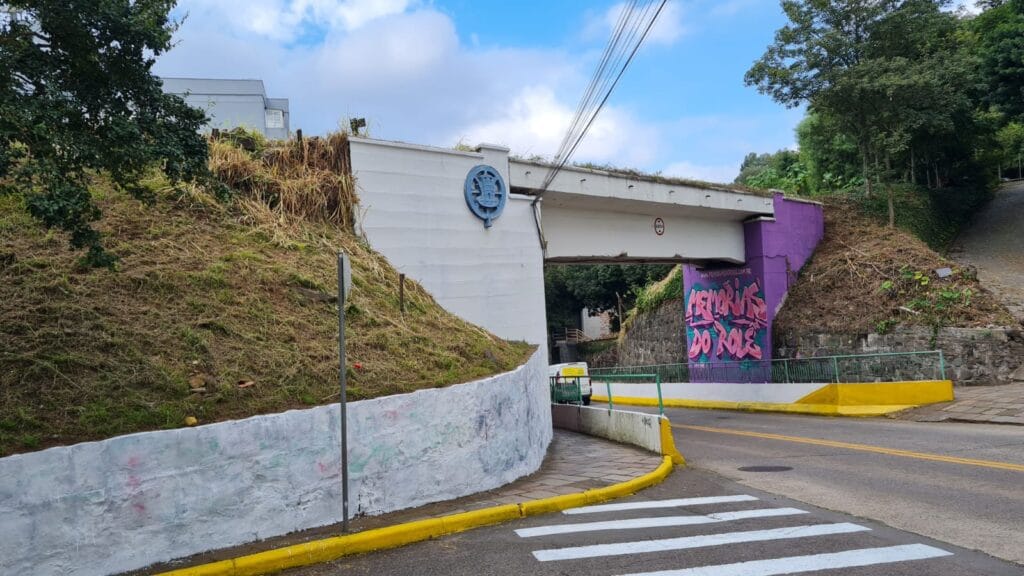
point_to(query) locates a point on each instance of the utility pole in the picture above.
(344, 283)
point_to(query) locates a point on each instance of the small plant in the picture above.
(885, 326)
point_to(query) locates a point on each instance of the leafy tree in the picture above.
(569, 288)
(888, 74)
(783, 170)
(999, 34)
(77, 96)
(829, 154)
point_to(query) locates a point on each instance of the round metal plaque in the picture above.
(485, 193)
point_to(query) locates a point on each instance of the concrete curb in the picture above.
(814, 409)
(846, 399)
(335, 547)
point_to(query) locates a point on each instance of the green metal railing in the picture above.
(609, 378)
(887, 367)
(566, 390)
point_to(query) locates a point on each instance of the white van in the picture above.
(569, 372)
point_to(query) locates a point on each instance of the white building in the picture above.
(234, 103)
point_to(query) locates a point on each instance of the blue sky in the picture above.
(510, 73)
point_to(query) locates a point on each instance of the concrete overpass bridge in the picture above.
(470, 228)
(596, 216)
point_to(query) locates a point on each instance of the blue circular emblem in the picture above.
(485, 193)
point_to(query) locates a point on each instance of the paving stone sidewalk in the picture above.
(574, 462)
(989, 404)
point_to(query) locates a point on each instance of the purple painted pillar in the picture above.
(729, 310)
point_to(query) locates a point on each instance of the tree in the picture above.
(77, 96)
(999, 31)
(569, 288)
(887, 73)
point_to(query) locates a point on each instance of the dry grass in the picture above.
(865, 277)
(208, 297)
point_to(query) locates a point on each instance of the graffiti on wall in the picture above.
(726, 320)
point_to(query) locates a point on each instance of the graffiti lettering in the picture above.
(730, 319)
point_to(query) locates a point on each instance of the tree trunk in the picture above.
(864, 169)
(913, 168)
(892, 207)
(938, 179)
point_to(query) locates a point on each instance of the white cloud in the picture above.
(283, 20)
(536, 122)
(716, 173)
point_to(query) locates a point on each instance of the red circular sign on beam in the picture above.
(659, 226)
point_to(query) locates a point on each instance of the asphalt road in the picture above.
(969, 505)
(956, 490)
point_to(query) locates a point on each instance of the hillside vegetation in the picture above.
(218, 309)
(866, 277)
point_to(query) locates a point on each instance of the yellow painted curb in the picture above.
(328, 549)
(668, 443)
(816, 409)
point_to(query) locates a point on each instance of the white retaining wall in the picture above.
(636, 428)
(412, 210)
(100, 508)
(722, 392)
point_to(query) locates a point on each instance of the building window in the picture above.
(275, 118)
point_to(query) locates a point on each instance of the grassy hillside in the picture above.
(217, 309)
(865, 277)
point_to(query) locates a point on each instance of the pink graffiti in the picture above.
(743, 310)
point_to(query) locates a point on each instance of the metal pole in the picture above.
(661, 403)
(579, 391)
(785, 365)
(608, 386)
(835, 368)
(342, 288)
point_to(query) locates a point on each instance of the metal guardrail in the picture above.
(567, 389)
(855, 368)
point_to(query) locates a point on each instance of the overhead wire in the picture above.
(614, 61)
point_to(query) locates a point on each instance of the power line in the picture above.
(605, 78)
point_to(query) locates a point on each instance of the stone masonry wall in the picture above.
(656, 337)
(974, 356)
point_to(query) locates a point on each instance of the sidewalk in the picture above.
(574, 463)
(987, 404)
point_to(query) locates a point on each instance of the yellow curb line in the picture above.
(328, 549)
(860, 447)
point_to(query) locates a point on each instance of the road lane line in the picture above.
(678, 502)
(688, 542)
(656, 522)
(811, 563)
(860, 447)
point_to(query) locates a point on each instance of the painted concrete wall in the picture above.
(413, 211)
(707, 391)
(635, 428)
(729, 310)
(105, 507)
(596, 326)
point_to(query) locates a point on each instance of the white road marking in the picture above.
(656, 522)
(649, 504)
(811, 563)
(687, 542)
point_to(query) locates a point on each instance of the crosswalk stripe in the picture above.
(687, 542)
(656, 522)
(812, 562)
(649, 504)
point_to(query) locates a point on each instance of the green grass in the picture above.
(202, 291)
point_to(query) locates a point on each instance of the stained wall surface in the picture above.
(101, 508)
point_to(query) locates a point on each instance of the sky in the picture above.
(444, 72)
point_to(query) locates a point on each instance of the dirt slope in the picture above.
(217, 311)
(865, 277)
